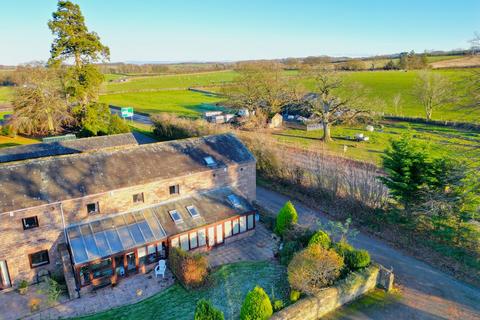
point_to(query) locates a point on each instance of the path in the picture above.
(136, 117)
(426, 292)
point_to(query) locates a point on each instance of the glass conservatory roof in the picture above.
(105, 237)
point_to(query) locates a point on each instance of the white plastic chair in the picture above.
(160, 268)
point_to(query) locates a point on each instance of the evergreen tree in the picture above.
(407, 168)
(257, 305)
(286, 218)
(206, 311)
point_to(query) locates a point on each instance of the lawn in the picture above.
(166, 93)
(171, 81)
(182, 102)
(12, 142)
(6, 94)
(440, 140)
(228, 288)
(384, 85)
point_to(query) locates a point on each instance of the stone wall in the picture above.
(16, 244)
(327, 300)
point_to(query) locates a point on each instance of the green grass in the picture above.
(440, 140)
(174, 81)
(227, 291)
(182, 102)
(3, 114)
(384, 85)
(6, 94)
(16, 141)
(372, 302)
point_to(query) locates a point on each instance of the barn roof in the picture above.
(41, 150)
(47, 180)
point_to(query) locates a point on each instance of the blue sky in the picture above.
(168, 30)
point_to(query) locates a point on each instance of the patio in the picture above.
(258, 247)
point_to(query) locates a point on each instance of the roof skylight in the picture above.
(176, 217)
(210, 161)
(234, 200)
(193, 211)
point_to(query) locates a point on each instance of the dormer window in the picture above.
(210, 161)
(234, 201)
(176, 216)
(193, 212)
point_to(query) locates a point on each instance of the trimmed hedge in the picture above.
(206, 311)
(257, 305)
(286, 218)
(342, 248)
(320, 238)
(357, 259)
(190, 269)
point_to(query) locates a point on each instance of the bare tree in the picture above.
(475, 43)
(330, 107)
(39, 107)
(433, 91)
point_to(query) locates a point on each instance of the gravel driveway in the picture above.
(426, 292)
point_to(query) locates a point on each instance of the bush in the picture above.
(342, 248)
(23, 287)
(288, 251)
(278, 305)
(54, 291)
(190, 269)
(357, 259)
(286, 218)
(206, 311)
(320, 238)
(314, 268)
(99, 121)
(294, 295)
(257, 305)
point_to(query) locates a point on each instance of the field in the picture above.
(229, 286)
(440, 140)
(168, 92)
(5, 94)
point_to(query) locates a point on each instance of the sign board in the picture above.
(126, 112)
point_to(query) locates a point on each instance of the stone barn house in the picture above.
(100, 209)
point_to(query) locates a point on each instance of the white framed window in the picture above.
(193, 240)
(243, 223)
(250, 222)
(175, 242)
(202, 237)
(193, 212)
(235, 226)
(228, 229)
(184, 242)
(176, 217)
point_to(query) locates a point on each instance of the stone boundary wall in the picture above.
(345, 291)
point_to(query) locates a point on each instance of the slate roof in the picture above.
(41, 150)
(46, 180)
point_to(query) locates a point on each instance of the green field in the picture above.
(440, 140)
(227, 290)
(182, 102)
(174, 81)
(6, 94)
(384, 85)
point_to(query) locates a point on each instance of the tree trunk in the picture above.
(326, 131)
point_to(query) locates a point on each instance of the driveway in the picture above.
(426, 293)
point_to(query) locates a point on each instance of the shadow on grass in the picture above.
(9, 144)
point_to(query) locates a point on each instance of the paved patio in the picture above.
(128, 291)
(257, 247)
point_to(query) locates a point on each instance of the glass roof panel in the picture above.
(143, 225)
(154, 225)
(91, 247)
(102, 244)
(114, 240)
(78, 249)
(136, 233)
(126, 238)
(96, 226)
